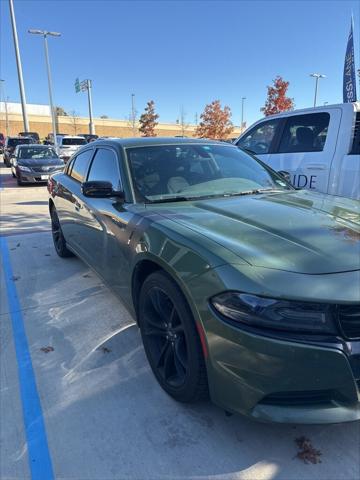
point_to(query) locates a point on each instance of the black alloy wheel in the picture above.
(58, 236)
(170, 339)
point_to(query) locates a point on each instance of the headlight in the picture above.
(23, 168)
(275, 314)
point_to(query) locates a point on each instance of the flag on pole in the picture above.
(349, 82)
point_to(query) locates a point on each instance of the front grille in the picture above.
(349, 318)
(43, 169)
(311, 397)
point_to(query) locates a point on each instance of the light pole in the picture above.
(2, 82)
(316, 76)
(242, 112)
(45, 34)
(86, 85)
(19, 67)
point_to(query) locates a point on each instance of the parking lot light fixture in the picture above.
(316, 76)
(46, 34)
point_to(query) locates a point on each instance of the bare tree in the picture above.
(74, 120)
(182, 122)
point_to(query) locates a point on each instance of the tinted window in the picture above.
(105, 168)
(80, 164)
(12, 142)
(199, 170)
(305, 133)
(259, 139)
(36, 152)
(73, 141)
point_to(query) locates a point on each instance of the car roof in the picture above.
(34, 145)
(153, 141)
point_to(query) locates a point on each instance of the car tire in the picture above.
(19, 182)
(170, 338)
(13, 174)
(58, 236)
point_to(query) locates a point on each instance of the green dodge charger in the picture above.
(244, 288)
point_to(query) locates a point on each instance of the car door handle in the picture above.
(316, 166)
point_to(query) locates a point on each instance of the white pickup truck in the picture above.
(319, 147)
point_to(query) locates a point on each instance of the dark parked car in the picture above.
(242, 286)
(33, 135)
(34, 163)
(2, 142)
(10, 144)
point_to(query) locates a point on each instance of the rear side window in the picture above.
(105, 167)
(355, 149)
(305, 133)
(80, 164)
(259, 138)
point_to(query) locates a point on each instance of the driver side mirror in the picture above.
(285, 175)
(99, 189)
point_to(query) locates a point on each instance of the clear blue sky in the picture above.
(179, 53)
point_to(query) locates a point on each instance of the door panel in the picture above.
(307, 147)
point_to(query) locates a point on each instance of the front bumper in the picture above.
(279, 378)
(32, 177)
(282, 381)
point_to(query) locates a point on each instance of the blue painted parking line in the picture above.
(38, 450)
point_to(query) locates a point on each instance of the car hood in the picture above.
(39, 162)
(298, 231)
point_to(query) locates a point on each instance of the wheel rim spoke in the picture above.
(163, 333)
(165, 348)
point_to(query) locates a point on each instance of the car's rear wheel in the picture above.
(170, 339)
(58, 236)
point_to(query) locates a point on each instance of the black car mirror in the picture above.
(100, 189)
(285, 175)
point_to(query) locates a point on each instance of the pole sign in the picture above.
(77, 86)
(349, 82)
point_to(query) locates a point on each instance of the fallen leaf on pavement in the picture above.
(307, 453)
(47, 349)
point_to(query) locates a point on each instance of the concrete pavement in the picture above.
(105, 416)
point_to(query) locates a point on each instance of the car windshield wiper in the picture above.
(255, 191)
(177, 198)
(182, 198)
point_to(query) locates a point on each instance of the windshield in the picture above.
(36, 153)
(168, 172)
(73, 141)
(12, 142)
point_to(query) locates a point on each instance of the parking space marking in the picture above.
(39, 456)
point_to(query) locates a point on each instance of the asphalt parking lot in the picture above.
(100, 413)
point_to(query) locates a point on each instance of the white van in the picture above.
(319, 147)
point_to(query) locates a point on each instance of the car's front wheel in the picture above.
(170, 339)
(58, 236)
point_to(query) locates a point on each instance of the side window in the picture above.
(305, 133)
(79, 165)
(259, 139)
(105, 167)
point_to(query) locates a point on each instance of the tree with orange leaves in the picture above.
(277, 101)
(148, 120)
(215, 122)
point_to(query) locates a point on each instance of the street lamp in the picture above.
(316, 76)
(46, 34)
(242, 112)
